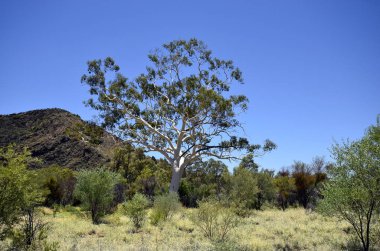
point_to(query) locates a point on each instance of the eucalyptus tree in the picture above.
(180, 107)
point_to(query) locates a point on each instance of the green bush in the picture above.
(19, 191)
(31, 234)
(244, 191)
(352, 192)
(136, 209)
(267, 189)
(215, 221)
(95, 189)
(164, 207)
(60, 183)
(204, 180)
(20, 194)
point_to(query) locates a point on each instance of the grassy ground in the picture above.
(294, 229)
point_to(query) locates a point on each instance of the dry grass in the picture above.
(294, 229)
(271, 229)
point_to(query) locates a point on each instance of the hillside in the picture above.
(58, 137)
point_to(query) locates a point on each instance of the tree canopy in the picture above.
(180, 107)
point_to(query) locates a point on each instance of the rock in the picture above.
(58, 137)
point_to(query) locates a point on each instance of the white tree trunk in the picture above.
(177, 171)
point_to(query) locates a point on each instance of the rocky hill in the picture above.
(58, 137)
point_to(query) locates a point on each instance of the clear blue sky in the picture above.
(311, 68)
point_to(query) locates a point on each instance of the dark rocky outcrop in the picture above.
(58, 137)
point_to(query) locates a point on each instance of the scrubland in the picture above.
(270, 229)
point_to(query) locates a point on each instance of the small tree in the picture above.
(95, 189)
(214, 220)
(353, 190)
(244, 190)
(143, 174)
(304, 182)
(264, 189)
(285, 188)
(20, 193)
(164, 207)
(136, 209)
(267, 188)
(59, 182)
(179, 108)
(203, 180)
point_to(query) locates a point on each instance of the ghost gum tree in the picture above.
(179, 107)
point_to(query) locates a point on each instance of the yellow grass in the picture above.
(272, 229)
(294, 229)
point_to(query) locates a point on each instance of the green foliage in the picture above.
(20, 192)
(301, 186)
(184, 85)
(204, 180)
(267, 188)
(244, 189)
(60, 183)
(31, 234)
(95, 189)
(164, 207)
(248, 163)
(285, 187)
(249, 187)
(86, 131)
(136, 209)
(143, 174)
(353, 190)
(215, 221)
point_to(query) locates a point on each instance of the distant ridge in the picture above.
(58, 137)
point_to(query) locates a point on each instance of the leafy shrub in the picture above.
(135, 209)
(19, 191)
(244, 190)
(187, 193)
(215, 221)
(267, 189)
(352, 192)
(20, 194)
(60, 183)
(31, 234)
(95, 189)
(285, 189)
(164, 207)
(143, 174)
(203, 180)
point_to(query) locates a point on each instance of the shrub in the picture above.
(244, 190)
(164, 207)
(31, 234)
(267, 189)
(215, 221)
(285, 189)
(353, 190)
(203, 180)
(60, 183)
(19, 191)
(95, 189)
(135, 209)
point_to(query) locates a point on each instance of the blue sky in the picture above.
(311, 68)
